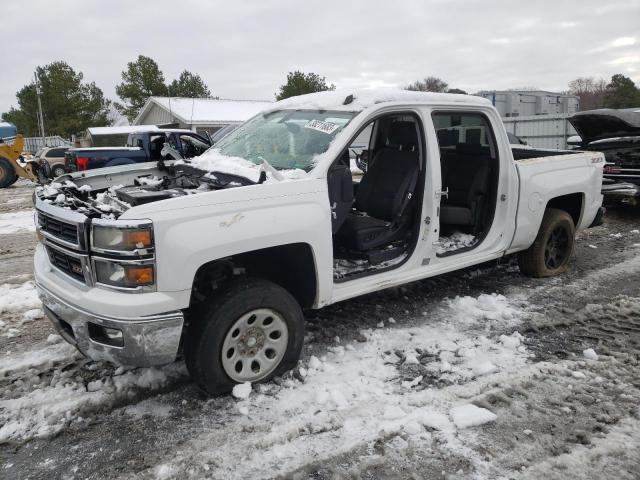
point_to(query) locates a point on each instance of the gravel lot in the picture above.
(480, 374)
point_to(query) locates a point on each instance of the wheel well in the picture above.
(291, 266)
(572, 204)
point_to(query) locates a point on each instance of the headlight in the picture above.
(121, 239)
(124, 275)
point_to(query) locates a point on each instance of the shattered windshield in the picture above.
(287, 139)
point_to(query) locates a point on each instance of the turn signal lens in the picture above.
(122, 275)
(142, 275)
(138, 238)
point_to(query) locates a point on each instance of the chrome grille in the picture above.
(69, 264)
(68, 232)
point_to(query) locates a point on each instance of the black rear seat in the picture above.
(466, 173)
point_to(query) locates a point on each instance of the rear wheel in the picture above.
(251, 331)
(7, 173)
(58, 171)
(552, 249)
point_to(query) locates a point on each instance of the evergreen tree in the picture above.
(189, 85)
(69, 106)
(142, 79)
(621, 93)
(299, 83)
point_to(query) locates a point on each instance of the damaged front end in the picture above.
(108, 195)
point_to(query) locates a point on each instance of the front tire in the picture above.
(251, 331)
(552, 249)
(7, 173)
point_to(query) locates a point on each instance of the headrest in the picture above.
(447, 137)
(403, 133)
(470, 148)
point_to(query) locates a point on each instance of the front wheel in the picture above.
(552, 249)
(251, 331)
(7, 173)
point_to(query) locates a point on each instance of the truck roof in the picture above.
(335, 100)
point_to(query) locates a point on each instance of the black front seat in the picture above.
(466, 173)
(383, 200)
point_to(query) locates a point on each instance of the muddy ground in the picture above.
(558, 413)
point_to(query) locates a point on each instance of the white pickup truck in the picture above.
(216, 257)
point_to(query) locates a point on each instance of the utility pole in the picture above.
(40, 116)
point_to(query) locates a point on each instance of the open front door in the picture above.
(381, 227)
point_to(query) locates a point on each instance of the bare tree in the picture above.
(429, 84)
(591, 91)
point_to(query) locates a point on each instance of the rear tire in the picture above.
(231, 325)
(552, 249)
(57, 171)
(7, 173)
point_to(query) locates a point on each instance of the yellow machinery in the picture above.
(10, 169)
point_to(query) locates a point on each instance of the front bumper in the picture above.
(141, 341)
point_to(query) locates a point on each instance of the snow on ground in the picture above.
(18, 297)
(455, 241)
(611, 453)
(19, 304)
(37, 407)
(347, 398)
(13, 222)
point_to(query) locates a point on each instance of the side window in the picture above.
(192, 146)
(156, 142)
(56, 153)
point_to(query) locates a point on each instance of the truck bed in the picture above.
(525, 153)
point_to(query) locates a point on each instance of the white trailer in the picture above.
(542, 131)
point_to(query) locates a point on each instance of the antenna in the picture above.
(39, 115)
(193, 101)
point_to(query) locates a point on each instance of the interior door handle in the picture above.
(443, 193)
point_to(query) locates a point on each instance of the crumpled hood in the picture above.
(604, 123)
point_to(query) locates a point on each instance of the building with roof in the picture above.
(197, 114)
(524, 103)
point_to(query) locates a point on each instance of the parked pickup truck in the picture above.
(140, 147)
(216, 258)
(616, 133)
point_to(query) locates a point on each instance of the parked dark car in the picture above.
(616, 133)
(140, 147)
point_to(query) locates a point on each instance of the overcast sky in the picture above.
(243, 49)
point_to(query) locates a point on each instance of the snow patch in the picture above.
(15, 222)
(590, 354)
(242, 390)
(465, 416)
(14, 298)
(455, 241)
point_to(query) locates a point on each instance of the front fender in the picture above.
(188, 238)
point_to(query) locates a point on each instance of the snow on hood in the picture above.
(214, 161)
(335, 100)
